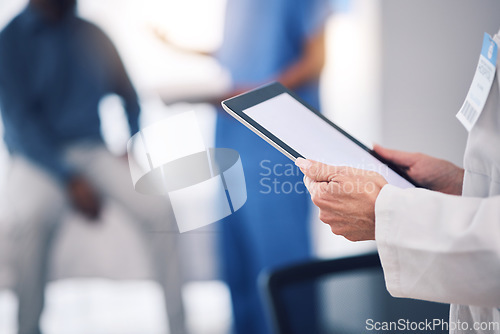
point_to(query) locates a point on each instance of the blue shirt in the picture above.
(262, 38)
(52, 76)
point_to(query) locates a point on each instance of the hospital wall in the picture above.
(429, 52)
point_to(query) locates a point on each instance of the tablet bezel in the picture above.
(235, 106)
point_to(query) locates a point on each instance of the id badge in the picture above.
(481, 84)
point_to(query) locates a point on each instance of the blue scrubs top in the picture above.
(262, 38)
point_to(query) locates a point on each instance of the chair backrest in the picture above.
(346, 295)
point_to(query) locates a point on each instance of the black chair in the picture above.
(346, 295)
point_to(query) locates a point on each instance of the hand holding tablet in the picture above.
(295, 129)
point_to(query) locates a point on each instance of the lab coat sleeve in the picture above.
(439, 247)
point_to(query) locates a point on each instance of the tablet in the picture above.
(278, 116)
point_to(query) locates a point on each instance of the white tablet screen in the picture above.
(315, 139)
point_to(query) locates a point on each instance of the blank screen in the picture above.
(312, 137)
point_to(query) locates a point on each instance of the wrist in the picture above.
(459, 181)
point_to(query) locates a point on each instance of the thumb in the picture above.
(315, 170)
(400, 158)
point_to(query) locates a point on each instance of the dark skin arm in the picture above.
(80, 192)
(83, 197)
(307, 68)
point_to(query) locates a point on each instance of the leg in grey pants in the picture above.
(37, 204)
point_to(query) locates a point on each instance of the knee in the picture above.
(35, 214)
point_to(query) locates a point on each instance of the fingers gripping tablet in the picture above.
(295, 129)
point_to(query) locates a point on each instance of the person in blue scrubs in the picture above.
(263, 41)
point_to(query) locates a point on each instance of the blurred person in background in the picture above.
(279, 40)
(263, 41)
(54, 70)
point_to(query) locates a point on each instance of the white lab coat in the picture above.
(446, 248)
